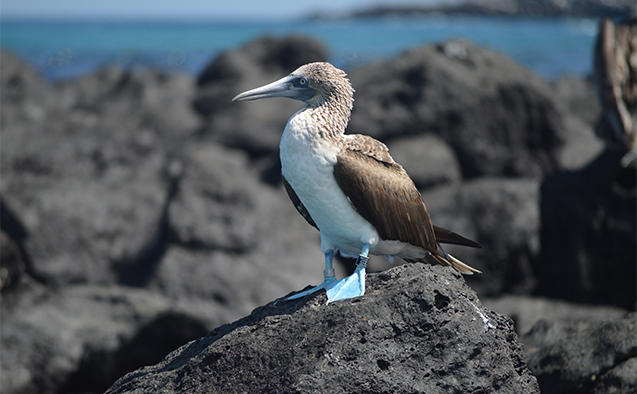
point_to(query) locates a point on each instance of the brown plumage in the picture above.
(314, 145)
(383, 193)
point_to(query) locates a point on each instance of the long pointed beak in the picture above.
(284, 87)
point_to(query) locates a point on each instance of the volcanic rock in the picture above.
(588, 232)
(526, 311)
(419, 329)
(584, 356)
(428, 160)
(254, 127)
(499, 117)
(502, 214)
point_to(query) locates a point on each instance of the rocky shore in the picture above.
(142, 211)
(524, 8)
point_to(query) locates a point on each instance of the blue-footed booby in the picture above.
(348, 186)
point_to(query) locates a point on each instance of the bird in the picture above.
(348, 186)
(615, 73)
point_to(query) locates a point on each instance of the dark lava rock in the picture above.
(589, 222)
(82, 338)
(621, 379)
(419, 329)
(12, 265)
(428, 160)
(527, 310)
(581, 113)
(273, 55)
(502, 214)
(584, 356)
(219, 200)
(499, 117)
(580, 98)
(255, 127)
(84, 167)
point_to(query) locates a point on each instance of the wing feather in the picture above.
(298, 204)
(383, 194)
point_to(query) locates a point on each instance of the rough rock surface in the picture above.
(502, 214)
(419, 329)
(588, 232)
(83, 166)
(428, 159)
(584, 356)
(82, 338)
(254, 127)
(499, 117)
(526, 311)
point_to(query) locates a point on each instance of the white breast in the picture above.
(307, 162)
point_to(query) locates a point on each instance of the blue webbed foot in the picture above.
(326, 283)
(349, 287)
(353, 285)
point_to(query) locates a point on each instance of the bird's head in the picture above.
(312, 83)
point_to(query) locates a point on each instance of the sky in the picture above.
(183, 9)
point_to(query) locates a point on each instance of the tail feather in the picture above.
(462, 267)
(443, 258)
(445, 236)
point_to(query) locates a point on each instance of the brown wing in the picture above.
(383, 193)
(297, 203)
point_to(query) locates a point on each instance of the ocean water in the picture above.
(552, 47)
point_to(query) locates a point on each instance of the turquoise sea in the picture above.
(552, 47)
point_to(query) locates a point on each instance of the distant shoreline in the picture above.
(507, 8)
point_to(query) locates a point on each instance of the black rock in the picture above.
(499, 117)
(584, 356)
(84, 167)
(526, 311)
(218, 201)
(502, 214)
(272, 55)
(419, 329)
(574, 348)
(12, 265)
(428, 160)
(82, 338)
(580, 98)
(255, 127)
(589, 222)
(581, 111)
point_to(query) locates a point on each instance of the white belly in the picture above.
(307, 164)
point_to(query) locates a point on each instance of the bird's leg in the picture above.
(353, 285)
(329, 277)
(329, 268)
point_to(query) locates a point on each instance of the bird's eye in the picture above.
(303, 81)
